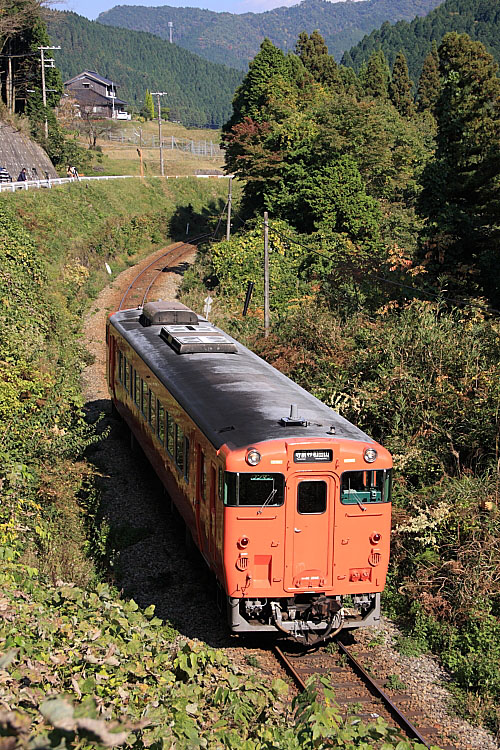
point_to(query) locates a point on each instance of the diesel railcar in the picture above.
(287, 501)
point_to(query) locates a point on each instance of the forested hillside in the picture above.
(234, 39)
(199, 92)
(480, 19)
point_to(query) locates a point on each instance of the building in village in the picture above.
(96, 96)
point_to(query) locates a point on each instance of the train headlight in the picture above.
(243, 542)
(370, 455)
(375, 538)
(253, 457)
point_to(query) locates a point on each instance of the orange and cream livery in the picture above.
(287, 501)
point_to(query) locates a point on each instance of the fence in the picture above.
(27, 184)
(197, 148)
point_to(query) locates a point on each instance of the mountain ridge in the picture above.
(234, 39)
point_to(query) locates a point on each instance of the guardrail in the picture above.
(27, 184)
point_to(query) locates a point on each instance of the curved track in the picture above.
(356, 690)
(137, 292)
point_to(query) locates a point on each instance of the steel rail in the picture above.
(157, 260)
(397, 715)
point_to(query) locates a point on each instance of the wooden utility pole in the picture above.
(158, 94)
(139, 151)
(229, 201)
(266, 274)
(44, 89)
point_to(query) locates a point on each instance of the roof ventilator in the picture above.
(201, 339)
(167, 312)
(294, 418)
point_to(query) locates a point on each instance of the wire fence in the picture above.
(204, 148)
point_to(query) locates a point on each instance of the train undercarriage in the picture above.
(307, 618)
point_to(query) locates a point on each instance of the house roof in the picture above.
(95, 76)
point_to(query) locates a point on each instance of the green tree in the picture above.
(148, 108)
(400, 87)
(429, 82)
(313, 52)
(461, 197)
(376, 76)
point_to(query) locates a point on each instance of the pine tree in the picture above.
(429, 82)
(400, 87)
(148, 107)
(376, 76)
(461, 196)
(313, 52)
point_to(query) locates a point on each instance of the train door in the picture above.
(213, 517)
(310, 511)
(202, 510)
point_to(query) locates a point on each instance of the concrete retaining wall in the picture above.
(18, 151)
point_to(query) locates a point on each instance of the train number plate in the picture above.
(312, 457)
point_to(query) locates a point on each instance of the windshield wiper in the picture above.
(268, 500)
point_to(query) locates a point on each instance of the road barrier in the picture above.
(27, 184)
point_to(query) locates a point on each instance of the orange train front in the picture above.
(288, 502)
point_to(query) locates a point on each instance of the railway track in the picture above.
(357, 692)
(137, 292)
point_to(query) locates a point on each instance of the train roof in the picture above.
(234, 398)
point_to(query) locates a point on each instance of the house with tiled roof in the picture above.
(95, 95)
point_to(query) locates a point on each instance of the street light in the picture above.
(158, 94)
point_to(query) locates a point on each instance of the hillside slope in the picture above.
(480, 19)
(234, 39)
(199, 92)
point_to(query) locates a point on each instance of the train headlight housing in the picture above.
(253, 457)
(375, 537)
(370, 455)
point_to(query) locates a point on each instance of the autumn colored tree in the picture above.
(400, 87)
(148, 107)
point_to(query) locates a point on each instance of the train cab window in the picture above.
(125, 373)
(179, 448)
(152, 411)
(170, 434)
(257, 490)
(137, 388)
(144, 397)
(120, 367)
(311, 497)
(160, 422)
(361, 487)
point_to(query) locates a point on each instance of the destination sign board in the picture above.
(312, 456)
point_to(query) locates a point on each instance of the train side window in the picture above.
(179, 448)
(125, 373)
(186, 458)
(261, 490)
(152, 411)
(120, 367)
(130, 379)
(170, 434)
(360, 487)
(137, 388)
(144, 398)
(160, 422)
(311, 497)
(203, 476)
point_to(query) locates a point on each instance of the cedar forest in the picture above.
(383, 197)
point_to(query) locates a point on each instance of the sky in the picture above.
(92, 8)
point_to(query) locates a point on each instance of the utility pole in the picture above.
(44, 90)
(266, 274)
(229, 200)
(158, 94)
(170, 28)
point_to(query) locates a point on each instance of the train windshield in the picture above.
(254, 489)
(362, 487)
